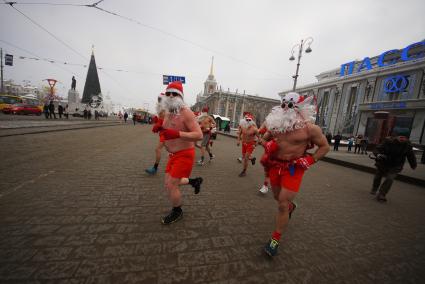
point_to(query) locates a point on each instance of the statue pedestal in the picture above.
(73, 97)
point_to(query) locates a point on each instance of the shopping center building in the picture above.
(375, 96)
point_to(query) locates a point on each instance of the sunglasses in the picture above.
(290, 104)
(172, 94)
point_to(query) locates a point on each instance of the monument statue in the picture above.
(74, 83)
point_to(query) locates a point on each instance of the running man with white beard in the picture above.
(291, 132)
(179, 132)
(247, 135)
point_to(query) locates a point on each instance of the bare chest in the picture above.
(296, 137)
(174, 121)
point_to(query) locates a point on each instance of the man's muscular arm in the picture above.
(318, 139)
(239, 135)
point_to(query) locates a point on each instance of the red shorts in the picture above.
(248, 147)
(180, 163)
(280, 177)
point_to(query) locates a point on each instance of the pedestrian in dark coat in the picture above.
(52, 110)
(391, 155)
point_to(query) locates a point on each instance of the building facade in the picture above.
(232, 105)
(374, 97)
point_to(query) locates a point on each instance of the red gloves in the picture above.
(156, 128)
(262, 130)
(158, 124)
(305, 162)
(168, 134)
(271, 147)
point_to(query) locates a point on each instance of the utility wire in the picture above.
(68, 46)
(183, 39)
(11, 3)
(33, 54)
(95, 5)
(51, 34)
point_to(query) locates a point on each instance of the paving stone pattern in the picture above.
(77, 207)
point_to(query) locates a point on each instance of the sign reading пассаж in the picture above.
(367, 65)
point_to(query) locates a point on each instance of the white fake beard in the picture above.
(284, 120)
(245, 124)
(173, 104)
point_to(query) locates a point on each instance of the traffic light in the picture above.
(8, 59)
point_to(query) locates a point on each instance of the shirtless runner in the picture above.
(247, 135)
(292, 133)
(207, 123)
(158, 121)
(179, 131)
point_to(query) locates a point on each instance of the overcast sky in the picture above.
(251, 41)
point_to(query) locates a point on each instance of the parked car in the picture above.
(22, 109)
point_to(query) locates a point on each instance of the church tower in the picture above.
(210, 85)
(92, 85)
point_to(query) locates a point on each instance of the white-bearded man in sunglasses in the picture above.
(291, 133)
(180, 130)
(247, 134)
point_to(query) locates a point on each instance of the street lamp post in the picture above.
(308, 41)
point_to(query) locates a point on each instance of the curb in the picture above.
(367, 169)
(57, 130)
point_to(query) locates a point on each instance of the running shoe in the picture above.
(264, 189)
(172, 217)
(381, 198)
(242, 174)
(197, 184)
(212, 157)
(200, 162)
(253, 160)
(152, 171)
(239, 160)
(271, 247)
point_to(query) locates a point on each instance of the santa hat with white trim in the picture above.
(175, 87)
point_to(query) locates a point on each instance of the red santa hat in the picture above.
(205, 109)
(248, 115)
(175, 87)
(196, 113)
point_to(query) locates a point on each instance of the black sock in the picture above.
(210, 155)
(193, 181)
(202, 158)
(177, 209)
(156, 166)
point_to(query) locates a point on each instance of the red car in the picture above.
(22, 109)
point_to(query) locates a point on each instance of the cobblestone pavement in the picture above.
(76, 207)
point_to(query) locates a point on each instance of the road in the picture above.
(77, 207)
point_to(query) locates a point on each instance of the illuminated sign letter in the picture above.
(405, 53)
(381, 59)
(365, 63)
(350, 68)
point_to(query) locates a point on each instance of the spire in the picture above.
(92, 85)
(212, 66)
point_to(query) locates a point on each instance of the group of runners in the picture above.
(286, 135)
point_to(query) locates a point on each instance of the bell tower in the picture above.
(210, 85)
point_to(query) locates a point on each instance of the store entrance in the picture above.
(384, 124)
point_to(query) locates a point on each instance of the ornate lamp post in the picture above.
(308, 41)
